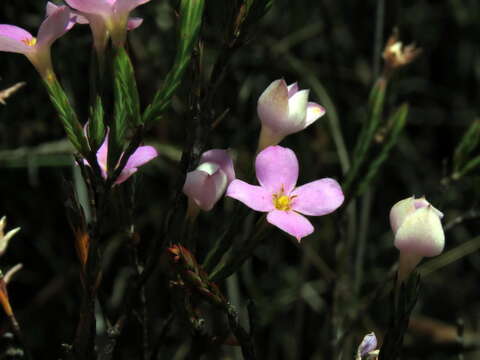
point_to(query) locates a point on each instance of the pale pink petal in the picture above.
(204, 189)
(124, 175)
(292, 89)
(99, 31)
(291, 222)
(53, 26)
(314, 112)
(141, 156)
(134, 23)
(255, 197)
(272, 107)
(12, 39)
(400, 211)
(102, 154)
(421, 233)
(277, 169)
(100, 7)
(297, 111)
(223, 159)
(125, 6)
(318, 198)
(74, 16)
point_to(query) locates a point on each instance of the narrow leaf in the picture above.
(191, 12)
(398, 119)
(469, 142)
(67, 115)
(96, 126)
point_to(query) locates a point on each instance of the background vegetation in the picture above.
(330, 46)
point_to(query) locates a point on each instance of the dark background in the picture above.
(335, 40)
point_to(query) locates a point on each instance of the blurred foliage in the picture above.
(290, 285)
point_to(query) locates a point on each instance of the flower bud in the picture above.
(284, 110)
(205, 185)
(368, 344)
(418, 232)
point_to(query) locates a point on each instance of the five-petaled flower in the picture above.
(141, 156)
(37, 49)
(418, 232)
(108, 18)
(277, 172)
(206, 184)
(284, 110)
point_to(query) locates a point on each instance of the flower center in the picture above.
(30, 42)
(282, 202)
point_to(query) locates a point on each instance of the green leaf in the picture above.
(126, 108)
(191, 12)
(398, 121)
(67, 115)
(126, 86)
(469, 142)
(375, 107)
(96, 126)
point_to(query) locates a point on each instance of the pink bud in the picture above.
(418, 232)
(284, 110)
(206, 184)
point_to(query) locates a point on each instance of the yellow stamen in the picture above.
(30, 42)
(281, 202)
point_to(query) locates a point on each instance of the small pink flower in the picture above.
(36, 49)
(141, 156)
(108, 18)
(418, 232)
(277, 172)
(206, 184)
(284, 110)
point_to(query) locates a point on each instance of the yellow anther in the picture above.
(282, 202)
(30, 42)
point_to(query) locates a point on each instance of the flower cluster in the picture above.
(107, 19)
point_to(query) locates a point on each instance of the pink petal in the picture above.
(134, 23)
(204, 189)
(74, 16)
(53, 26)
(125, 6)
(318, 198)
(102, 155)
(12, 37)
(272, 107)
(277, 168)
(314, 112)
(255, 197)
(124, 175)
(141, 156)
(291, 222)
(99, 7)
(223, 159)
(292, 89)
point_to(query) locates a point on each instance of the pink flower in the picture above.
(36, 49)
(141, 156)
(206, 184)
(108, 18)
(277, 172)
(284, 110)
(418, 232)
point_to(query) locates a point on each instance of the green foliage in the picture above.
(191, 12)
(468, 143)
(96, 126)
(67, 115)
(370, 126)
(398, 121)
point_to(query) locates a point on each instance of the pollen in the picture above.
(30, 42)
(282, 202)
